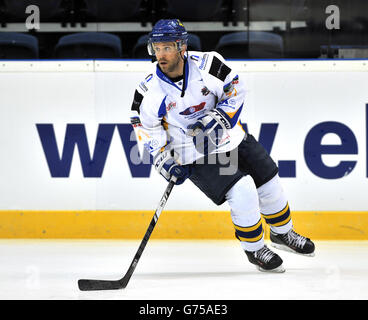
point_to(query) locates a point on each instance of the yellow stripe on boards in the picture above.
(323, 225)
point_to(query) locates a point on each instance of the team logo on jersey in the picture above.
(170, 106)
(193, 109)
(203, 64)
(142, 85)
(136, 122)
(205, 91)
(229, 88)
(151, 145)
(229, 103)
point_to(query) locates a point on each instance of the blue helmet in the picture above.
(167, 30)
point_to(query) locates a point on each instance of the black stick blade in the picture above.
(91, 285)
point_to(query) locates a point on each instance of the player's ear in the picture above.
(183, 49)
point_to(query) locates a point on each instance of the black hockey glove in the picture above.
(165, 164)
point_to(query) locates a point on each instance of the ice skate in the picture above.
(265, 260)
(292, 242)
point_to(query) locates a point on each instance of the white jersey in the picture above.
(161, 115)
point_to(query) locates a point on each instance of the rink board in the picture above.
(69, 164)
(322, 225)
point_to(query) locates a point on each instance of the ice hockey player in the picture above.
(187, 115)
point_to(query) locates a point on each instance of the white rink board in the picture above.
(294, 95)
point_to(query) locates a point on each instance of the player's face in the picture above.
(168, 57)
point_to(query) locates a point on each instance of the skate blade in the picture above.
(286, 248)
(279, 269)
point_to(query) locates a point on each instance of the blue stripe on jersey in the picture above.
(234, 119)
(165, 78)
(162, 109)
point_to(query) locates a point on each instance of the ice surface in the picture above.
(168, 270)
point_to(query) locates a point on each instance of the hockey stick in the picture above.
(90, 284)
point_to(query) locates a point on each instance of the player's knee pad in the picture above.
(243, 198)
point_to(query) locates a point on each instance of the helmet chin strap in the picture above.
(184, 77)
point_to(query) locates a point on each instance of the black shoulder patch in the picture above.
(219, 69)
(136, 105)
